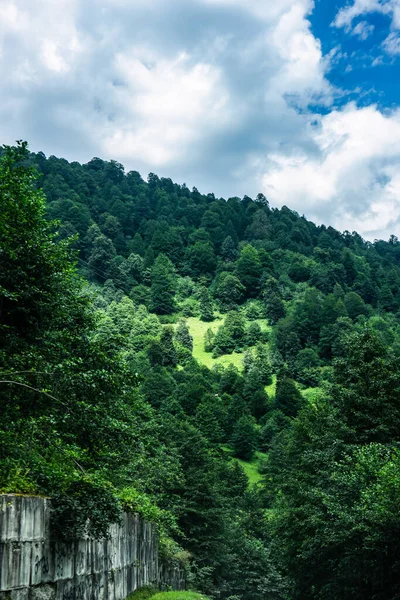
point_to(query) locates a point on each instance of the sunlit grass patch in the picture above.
(179, 596)
(250, 467)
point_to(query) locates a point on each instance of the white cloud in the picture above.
(363, 30)
(353, 181)
(203, 91)
(165, 107)
(303, 67)
(391, 45)
(268, 11)
(347, 14)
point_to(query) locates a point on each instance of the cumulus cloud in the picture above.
(355, 177)
(391, 44)
(363, 29)
(183, 88)
(348, 13)
(220, 94)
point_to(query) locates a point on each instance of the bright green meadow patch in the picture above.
(198, 330)
(179, 596)
(250, 467)
(150, 592)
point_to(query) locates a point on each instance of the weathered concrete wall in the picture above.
(33, 566)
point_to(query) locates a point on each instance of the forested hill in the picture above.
(228, 370)
(117, 214)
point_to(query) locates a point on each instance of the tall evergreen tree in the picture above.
(182, 335)
(206, 307)
(163, 286)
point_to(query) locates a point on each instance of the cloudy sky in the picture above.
(294, 98)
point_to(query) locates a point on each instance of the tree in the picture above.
(354, 305)
(288, 399)
(64, 414)
(229, 291)
(386, 301)
(132, 270)
(182, 335)
(34, 266)
(101, 256)
(255, 393)
(262, 363)
(273, 303)
(201, 258)
(169, 358)
(235, 327)
(244, 438)
(230, 336)
(299, 272)
(249, 270)
(253, 334)
(209, 340)
(209, 417)
(206, 307)
(162, 286)
(229, 250)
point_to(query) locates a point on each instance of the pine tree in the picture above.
(228, 249)
(182, 335)
(273, 303)
(168, 349)
(249, 270)
(209, 340)
(163, 286)
(288, 399)
(244, 438)
(206, 307)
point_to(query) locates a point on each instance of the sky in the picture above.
(297, 99)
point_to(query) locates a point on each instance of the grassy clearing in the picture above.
(310, 394)
(198, 329)
(179, 596)
(143, 593)
(251, 467)
(154, 594)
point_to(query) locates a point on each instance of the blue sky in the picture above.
(295, 98)
(363, 62)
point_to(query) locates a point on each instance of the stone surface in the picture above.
(33, 566)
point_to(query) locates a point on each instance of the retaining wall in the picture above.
(34, 566)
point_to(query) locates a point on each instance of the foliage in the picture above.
(244, 438)
(182, 335)
(162, 286)
(179, 596)
(206, 307)
(106, 407)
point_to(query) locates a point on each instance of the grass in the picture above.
(270, 389)
(143, 593)
(198, 329)
(250, 467)
(179, 596)
(154, 594)
(310, 394)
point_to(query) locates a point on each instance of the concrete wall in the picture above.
(33, 566)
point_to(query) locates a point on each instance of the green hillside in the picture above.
(163, 351)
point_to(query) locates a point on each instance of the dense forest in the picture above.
(227, 369)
